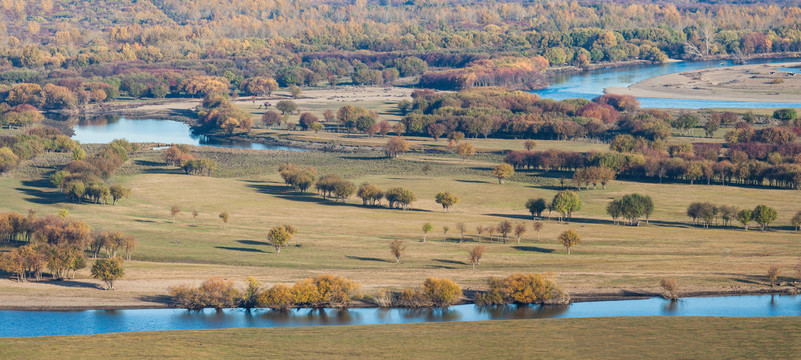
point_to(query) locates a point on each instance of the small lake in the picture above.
(105, 129)
(591, 84)
(47, 323)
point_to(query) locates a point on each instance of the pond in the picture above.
(46, 323)
(105, 129)
(591, 84)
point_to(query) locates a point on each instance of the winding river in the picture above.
(46, 323)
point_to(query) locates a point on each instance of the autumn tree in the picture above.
(396, 146)
(441, 292)
(504, 228)
(399, 197)
(569, 239)
(397, 248)
(280, 236)
(447, 200)
(520, 229)
(224, 218)
(465, 150)
(475, 255)
(286, 106)
(370, 194)
(174, 211)
(503, 172)
(796, 221)
(108, 270)
(427, 227)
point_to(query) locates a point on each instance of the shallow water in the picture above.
(46, 323)
(591, 84)
(104, 130)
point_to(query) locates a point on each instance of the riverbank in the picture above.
(752, 83)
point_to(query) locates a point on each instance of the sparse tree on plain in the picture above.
(536, 207)
(462, 228)
(569, 239)
(503, 172)
(475, 255)
(537, 225)
(224, 217)
(174, 211)
(520, 229)
(195, 213)
(280, 236)
(671, 287)
(773, 275)
(745, 217)
(427, 227)
(479, 231)
(796, 221)
(447, 200)
(465, 150)
(445, 229)
(108, 270)
(764, 216)
(504, 228)
(397, 248)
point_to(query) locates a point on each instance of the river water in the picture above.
(46, 323)
(591, 84)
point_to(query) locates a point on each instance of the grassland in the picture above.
(614, 338)
(352, 240)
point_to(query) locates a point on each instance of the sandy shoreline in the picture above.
(734, 83)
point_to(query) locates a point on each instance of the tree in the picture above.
(745, 217)
(224, 217)
(108, 270)
(427, 227)
(370, 194)
(632, 207)
(475, 255)
(536, 207)
(396, 146)
(397, 248)
(462, 228)
(671, 287)
(520, 229)
(465, 150)
(773, 275)
(175, 210)
(537, 226)
(195, 213)
(445, 229)
(286, 106)
(569, 239)
(295, 91)
(566, 202)
(796, 221)
(119, 192)
(504, 228)
(764, 216)
(503, 172)
(271, 118)
(280, 236)
(530, 145)
(399, 197)
(785, 114)
(447, 200)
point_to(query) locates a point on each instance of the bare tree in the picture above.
(461, 227)
(397, 248)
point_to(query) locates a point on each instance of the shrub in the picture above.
(279, 297)
(521, 289)
(671, 287)
(441, 292)
(773, 275)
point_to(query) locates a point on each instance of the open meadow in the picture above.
(351, 240)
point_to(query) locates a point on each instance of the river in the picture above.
(591, 84)
(47, 323)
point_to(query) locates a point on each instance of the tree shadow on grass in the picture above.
(159, 299)
(75, 284)
(239, 249)
(454, 262)
(475, 181)
(253, 242)
(155, 167)
(532, 249)
(360, 258)
(38, 196)
(287, 193)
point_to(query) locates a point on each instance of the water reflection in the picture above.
(43, 323)
(104, 129)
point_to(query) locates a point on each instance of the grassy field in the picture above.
(352, 240)
(611, 338)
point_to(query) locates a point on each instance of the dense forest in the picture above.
(147, 48)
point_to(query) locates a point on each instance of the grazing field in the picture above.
(352, 240)
(613, 338)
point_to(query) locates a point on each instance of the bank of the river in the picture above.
(746, 83)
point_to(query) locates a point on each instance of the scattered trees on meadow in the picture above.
(427, 227)
(397, 248)
(396, 146)
(565, 203)
(536, 207)
(705, 213)
(503, 172)
(475, 255)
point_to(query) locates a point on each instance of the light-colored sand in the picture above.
(735, 83)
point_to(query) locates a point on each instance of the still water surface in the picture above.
(45, 323)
